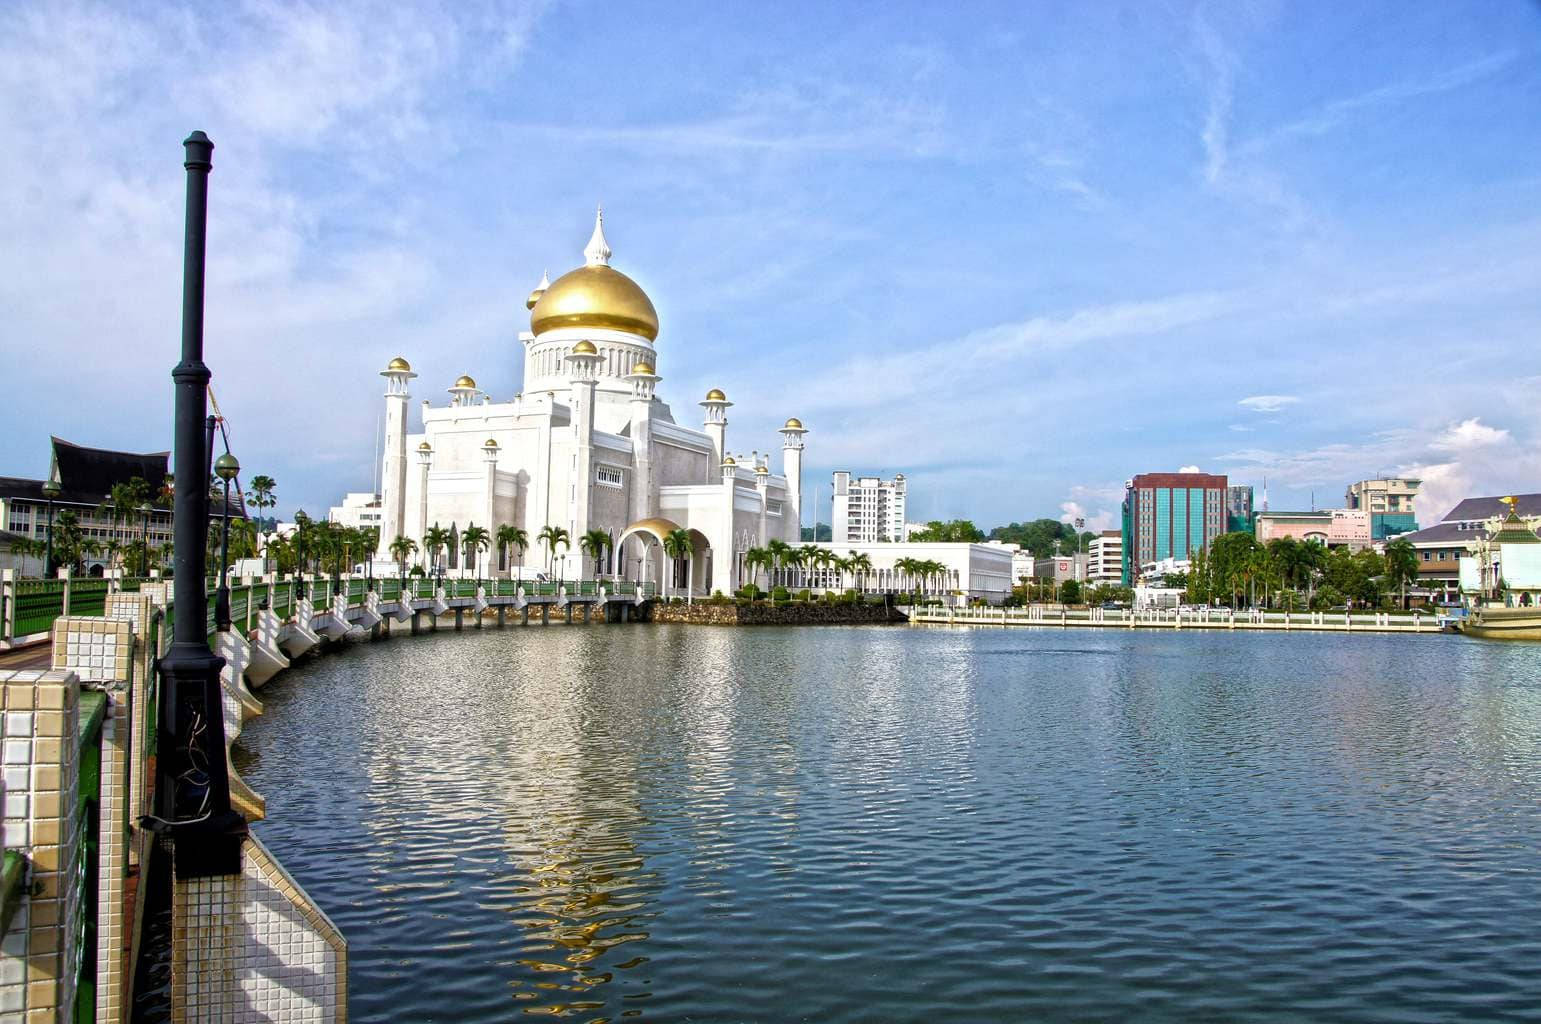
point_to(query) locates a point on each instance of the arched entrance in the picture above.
(641, 558)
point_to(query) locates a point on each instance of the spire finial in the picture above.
(597, 252)
(545, 281)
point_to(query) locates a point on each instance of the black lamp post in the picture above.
(50, 491)
(227, 469)
(192, 785)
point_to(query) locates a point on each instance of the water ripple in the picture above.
(675, 824)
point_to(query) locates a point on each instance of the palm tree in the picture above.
(810, 556)
(552, 536)
(1402, 564)
(779, 550)
(403, 548)
(473, 542)
(434, 539)
(842, 566)
(677, 545)
(595, 542)
(512, 537)
(861, 565)
(757, 558)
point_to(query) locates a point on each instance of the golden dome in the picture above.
(644, 368)
(727, 460)
(490, 443)
(465, 382)
(399, 364)
(793, 424)
(425, 447)
(762, 470)
(715, 395)
(585, 348)
(595, 296)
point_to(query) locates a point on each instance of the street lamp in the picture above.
(144, 540)
(50, 491)
(227, 469)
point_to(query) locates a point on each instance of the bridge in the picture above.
(81, 697)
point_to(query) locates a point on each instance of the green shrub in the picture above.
(805, 594)
(780, 595)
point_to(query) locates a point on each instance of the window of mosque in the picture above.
(609, 476)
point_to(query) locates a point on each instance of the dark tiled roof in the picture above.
(1441, 533)
(88, 474)
(1486, 508)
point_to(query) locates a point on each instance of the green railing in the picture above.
(89, 597)
(38, 603)
(13, 874)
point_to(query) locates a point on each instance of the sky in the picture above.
(1020, 252)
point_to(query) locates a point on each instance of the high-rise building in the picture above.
(1238, 508)
(867, 509)
(1389, 502)
(1170, 515)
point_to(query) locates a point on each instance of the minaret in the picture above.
(464, 392)
(490, 457)
(724, 557)
(716, 405)
(424, 460)
(762, 485)
(393, 476)
(583, 360)
(597, 252)
(643, 381)
(792, 468)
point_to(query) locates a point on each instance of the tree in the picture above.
(403, 548)
(677, 545)
(1070, 592)
(861, 565)
(434, 540)
(473, 542)
(508, 536)
(1401, 565)
(553, 537)
(260, 496)
(595, 542)
(955, 531)
(779, 550)
(1043, 537)
(759, 558)
(816, 533)
(1231, 566)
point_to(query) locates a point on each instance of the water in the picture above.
(670, 823)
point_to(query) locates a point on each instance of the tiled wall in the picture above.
(268, 952)
(39, 955)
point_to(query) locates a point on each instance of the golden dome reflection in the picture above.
(595, 296)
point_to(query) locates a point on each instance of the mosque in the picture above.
(588, 444)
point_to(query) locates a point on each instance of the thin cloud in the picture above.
(1268, 403)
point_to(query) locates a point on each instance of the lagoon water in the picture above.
(672, 823)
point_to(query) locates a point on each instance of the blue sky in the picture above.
(1019, 252)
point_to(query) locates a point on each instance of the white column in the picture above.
(716, 406)
(792, 468)
(424, 460)
(643, 381)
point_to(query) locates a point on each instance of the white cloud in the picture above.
(1190, 469)
(1268, 403)
(1469, 434)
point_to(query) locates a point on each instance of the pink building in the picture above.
(1342, 527)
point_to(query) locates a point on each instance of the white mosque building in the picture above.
(587, 445)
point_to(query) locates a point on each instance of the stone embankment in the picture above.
(763, 613)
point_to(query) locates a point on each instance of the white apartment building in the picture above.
(1105, 557)
(867, 509)
(357, 510)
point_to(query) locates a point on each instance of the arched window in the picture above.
(454, 546)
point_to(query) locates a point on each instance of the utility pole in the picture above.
(192, 790)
